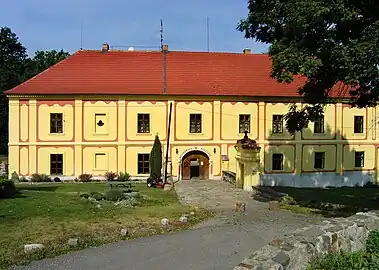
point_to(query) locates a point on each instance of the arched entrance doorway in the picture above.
(195, 165)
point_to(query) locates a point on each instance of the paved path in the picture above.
(219, 244)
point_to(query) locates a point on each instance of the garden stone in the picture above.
(167, 187)
(32, 247)
(98, 206)
(133, 194)
(192, 213)
(124, 232)
(165, 221)
(282, 258)
(183, 219)
(73, 242)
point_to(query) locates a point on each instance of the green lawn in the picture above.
(317, 200)
(50, 214)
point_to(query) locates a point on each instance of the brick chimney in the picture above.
(164, 48)
(105, 47)
(246, 51)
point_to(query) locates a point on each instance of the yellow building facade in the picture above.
(68, 135)
(87, 147)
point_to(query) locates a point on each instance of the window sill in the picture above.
(144, 134)
(100, 133)
(195, 134)
(57, 134)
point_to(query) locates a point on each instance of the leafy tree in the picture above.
(327, 42)
(155, 160)
(12, 69)
(42, 60)
(15, 68)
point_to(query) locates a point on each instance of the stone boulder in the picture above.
(124, 232)
(72, 242)
(33, 247)
(183, 219)
(165, 221)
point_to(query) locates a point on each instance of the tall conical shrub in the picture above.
(155, 160)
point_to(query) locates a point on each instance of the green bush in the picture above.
(15, 177)
(123, 177)
(114, 195)
(110, 176)
(155, 159)
(372, 242)
(85, 177)
(23, 179)
(339, 261)
(40, 178)
(7, 188)
(370, 184)
(97, 196)
(84, 195)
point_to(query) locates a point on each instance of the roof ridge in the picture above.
(173, 51)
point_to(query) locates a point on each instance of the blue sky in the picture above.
(55, 24)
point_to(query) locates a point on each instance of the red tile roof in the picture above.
(141, 72)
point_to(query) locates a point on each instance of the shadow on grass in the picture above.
(51, 188)
(334, 202)
(19, 194)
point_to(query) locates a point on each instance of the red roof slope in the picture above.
(138, 72)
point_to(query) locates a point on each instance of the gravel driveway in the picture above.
(219, 244)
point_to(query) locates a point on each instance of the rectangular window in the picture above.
(100, 161)
(143, 163)
(319, 125)
(101, 123)
(358, 124)
(359, 159)
(277, 162)
(277, 124)
(195, 123)
(56, 123)
(319, 162)
(143, 123)
(244, 123)
(56, 164)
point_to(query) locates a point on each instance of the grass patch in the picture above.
(332, 202)
(50, 214)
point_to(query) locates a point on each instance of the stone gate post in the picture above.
(248, 163)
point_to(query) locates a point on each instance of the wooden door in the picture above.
(186, 171)
(203, 164)
(204, 167)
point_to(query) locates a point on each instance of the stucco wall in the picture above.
(30, 134)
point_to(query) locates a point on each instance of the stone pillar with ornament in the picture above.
(248, 163)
